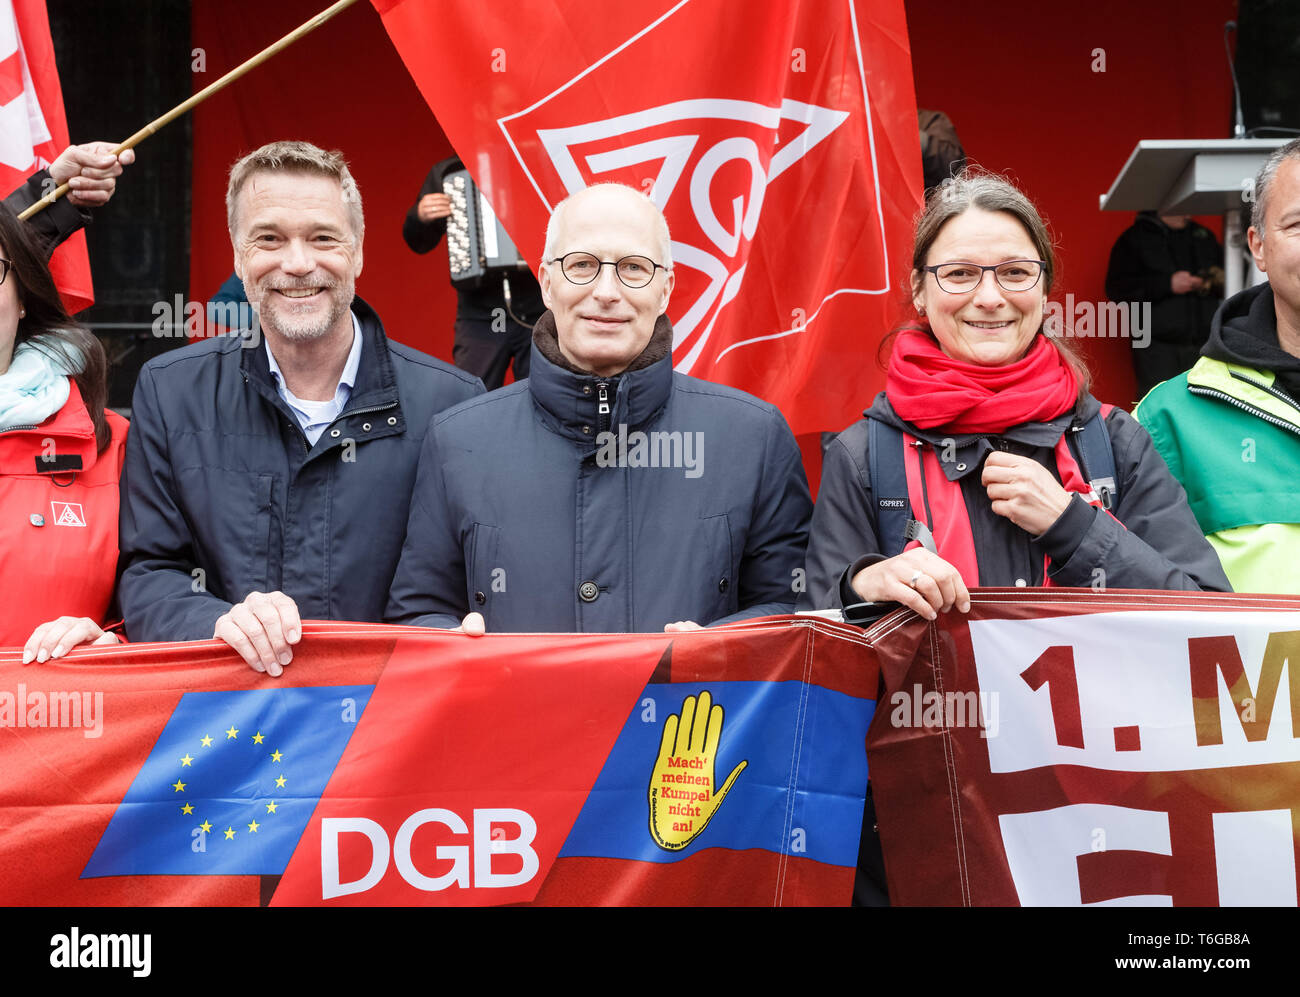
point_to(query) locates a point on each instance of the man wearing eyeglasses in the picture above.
(606, 493)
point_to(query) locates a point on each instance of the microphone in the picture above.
(1239, 131)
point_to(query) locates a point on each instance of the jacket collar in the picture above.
(568, 398)
(375, 384)
(971, 449)
(375, 388)
(1251, 385)
(70, 428)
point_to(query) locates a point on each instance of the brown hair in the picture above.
(977, 188)
(296, 157)
(47, 325)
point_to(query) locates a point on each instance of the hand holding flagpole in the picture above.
(203, 95)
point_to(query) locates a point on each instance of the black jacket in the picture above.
(223, 496)
(1143, 260)
(1159, 546)
(58, 221)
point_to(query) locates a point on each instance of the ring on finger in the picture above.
(916, 576)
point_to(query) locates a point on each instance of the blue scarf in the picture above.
(33, 388)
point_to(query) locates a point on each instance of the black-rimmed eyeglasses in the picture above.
(5, 267)
(583, 268)
(1014, 275)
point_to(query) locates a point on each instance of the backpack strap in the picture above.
(886, 459)
(1096, 457)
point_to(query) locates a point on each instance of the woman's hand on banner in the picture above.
(58, 637)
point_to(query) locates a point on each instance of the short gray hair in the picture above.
(1264, 180)
(661, 223)
(296, 157)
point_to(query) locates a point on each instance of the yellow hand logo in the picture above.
(682, 800)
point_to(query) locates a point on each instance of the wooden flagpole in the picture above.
(205, 93)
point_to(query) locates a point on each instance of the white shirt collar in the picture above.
(347, 379)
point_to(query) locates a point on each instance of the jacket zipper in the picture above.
(602, 407)
(359, 411)
(1279, 395)
(925, 490)
(1245, 406)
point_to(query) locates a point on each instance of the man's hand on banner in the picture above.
(261, 628)
(91, 171)
(682, 800)
(681, 626)
(472, 625)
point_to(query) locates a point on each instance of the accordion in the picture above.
(477, 243)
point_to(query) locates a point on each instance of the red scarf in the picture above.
(928, 388)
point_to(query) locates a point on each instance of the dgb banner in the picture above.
(394, 765)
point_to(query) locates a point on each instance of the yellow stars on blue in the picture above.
(190, 761)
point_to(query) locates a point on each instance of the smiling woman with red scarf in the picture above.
(995, 465)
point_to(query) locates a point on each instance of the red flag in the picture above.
(779, 138)
(33, 128)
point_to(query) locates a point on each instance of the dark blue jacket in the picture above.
(222, 496)
(516, 517)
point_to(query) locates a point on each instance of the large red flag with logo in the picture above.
(779, 138)
(33, 129)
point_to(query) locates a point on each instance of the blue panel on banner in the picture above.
(786, 733)
(231, 783)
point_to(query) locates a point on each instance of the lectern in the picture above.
(1198, 177)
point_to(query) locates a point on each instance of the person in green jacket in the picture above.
(1229, 428)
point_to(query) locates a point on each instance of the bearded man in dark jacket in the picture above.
(267, 481)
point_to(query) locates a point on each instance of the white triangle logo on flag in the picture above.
(68, 514)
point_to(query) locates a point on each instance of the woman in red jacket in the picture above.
(60, 458)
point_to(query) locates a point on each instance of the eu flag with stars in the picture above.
(231, 783)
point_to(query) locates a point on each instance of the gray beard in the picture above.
(300, 331)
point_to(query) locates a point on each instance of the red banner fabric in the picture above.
(779, 139)
(34, 129)
(394, 765)
(1100, 748)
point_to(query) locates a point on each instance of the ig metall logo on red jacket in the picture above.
(68, 514)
